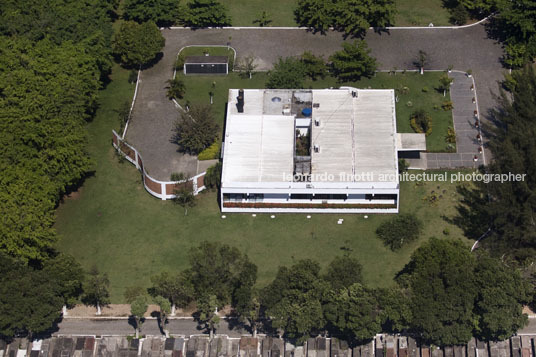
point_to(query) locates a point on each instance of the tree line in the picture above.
(444, 295)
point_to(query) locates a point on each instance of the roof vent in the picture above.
(317, 122)
(316, 148)
(316, 105)
(354, 94)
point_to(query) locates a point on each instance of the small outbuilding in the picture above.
(206, 65)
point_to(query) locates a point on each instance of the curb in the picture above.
(331, 28)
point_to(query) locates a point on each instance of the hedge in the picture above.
(210, 153)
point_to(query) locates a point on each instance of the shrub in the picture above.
(210, 153)
(403, 165)
(425, 89)
(179, 63)
(177, 176)
(176, 88)
(451, 135)
(133, 76)
(447, 105)
(421, 122)
(213, 176)
(399, 230)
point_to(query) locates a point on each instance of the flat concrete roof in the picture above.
(411, 142)
(258, 147)
(356, 137)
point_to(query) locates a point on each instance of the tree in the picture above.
(507, 207)
(137, 44)
(459, 15)
(247, 66)
(205, 13)
(123, 114)
(353, 313)
(422, 60)
(399, 230)
(293, 300)
(137, 310)
(184, 197)
(315, 66)
(30, 300)
(246, 303)
(343, 272)
(162, 12)
(96, 289)
(353, 62)
(444, 83)
(287, 73)
(165, 310)
(354, 17)
(442, 292)
(196, 130)
(177, 288)
(263, 19)
(66, 277)
(395, 311)
(219, 270)
(502, 293)
(315, 14)
(207, 307)
(176, 88)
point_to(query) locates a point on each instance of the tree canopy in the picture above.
(31, 299)
(288, 73)
(161, 12)
(138, 44)
(353, 62)
(440, 278)
(219, 270)
(293, 300)
(353, 17)
(507, 208)
(205, 13)
(196, 129)
(354, 312)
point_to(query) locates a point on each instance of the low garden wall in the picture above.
(161, 189)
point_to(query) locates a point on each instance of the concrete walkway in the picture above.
(463, 117)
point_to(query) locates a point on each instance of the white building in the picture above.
(329, 150)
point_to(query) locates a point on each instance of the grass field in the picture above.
(114, 224)
(281, 12)
(198, 88)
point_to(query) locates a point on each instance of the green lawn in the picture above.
(421, 13)
(113, 223)
(281, 12)
(198, 88)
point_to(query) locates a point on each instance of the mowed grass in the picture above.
(281, 12)
(114, 224)
(421, 13)
(409, 88)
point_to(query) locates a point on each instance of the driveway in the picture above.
(154, 115)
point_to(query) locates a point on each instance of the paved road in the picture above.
(154, 115)
(123, 328)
